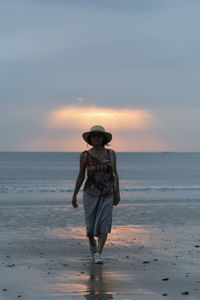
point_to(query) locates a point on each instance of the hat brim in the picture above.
(86, 135)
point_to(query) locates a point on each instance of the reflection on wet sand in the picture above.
(98, 283)
(124, 236)
(92, 281)
(95, 282)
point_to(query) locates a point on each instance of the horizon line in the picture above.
(38, 151)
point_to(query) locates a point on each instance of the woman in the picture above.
(99, 194)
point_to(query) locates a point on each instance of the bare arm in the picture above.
(117, 196)
(80, 179)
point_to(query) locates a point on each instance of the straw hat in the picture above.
(97, 128)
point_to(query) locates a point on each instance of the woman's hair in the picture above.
(105, 141)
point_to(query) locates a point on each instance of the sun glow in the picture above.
(132, 129)
(85, 117)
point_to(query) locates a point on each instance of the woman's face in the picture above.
(96, 139)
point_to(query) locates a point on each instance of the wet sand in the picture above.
(152, 253)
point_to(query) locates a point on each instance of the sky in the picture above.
(132, 66)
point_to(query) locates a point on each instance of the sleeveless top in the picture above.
(99, 175)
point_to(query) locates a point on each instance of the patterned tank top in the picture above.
(99, 175)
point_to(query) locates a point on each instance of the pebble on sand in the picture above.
(146, 262)
(10, 266)
(185, 293)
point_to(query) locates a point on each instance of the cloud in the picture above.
(132, 129)
(134, 141)
(80, 99)
(127, 141)
(54, 143)
(71, 117)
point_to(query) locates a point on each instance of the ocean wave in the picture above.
(70, 189)
(35, 189)
(160, 188)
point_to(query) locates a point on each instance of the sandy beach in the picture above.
(152, 252)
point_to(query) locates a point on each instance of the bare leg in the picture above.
(101, 241)
(91, 239)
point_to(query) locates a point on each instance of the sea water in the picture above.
(49, 177)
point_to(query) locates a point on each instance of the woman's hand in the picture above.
(74, 202)
(116, 200)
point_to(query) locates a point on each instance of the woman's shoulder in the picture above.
(83, 154)
(111, 151)
(83, 157)
(86, 152)
(112, 154)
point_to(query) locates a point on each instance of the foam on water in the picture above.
(69, 189)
